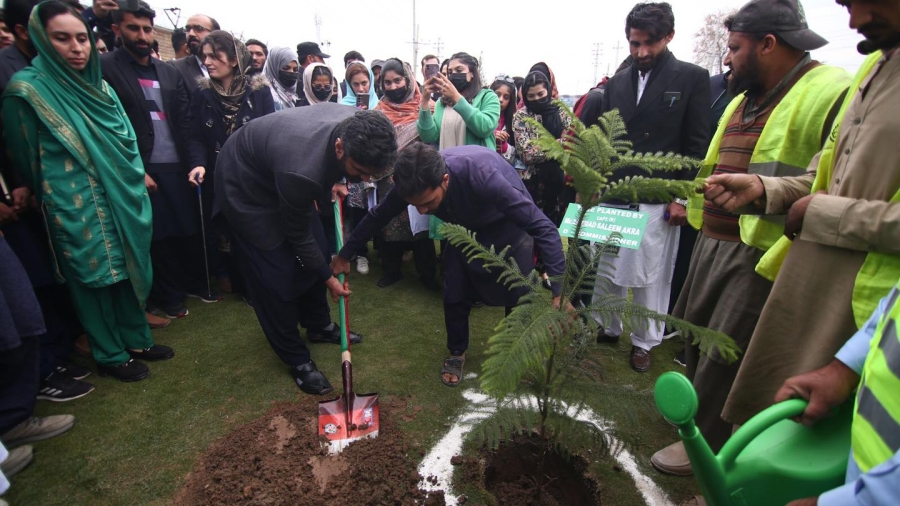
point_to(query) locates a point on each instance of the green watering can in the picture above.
(770, 460)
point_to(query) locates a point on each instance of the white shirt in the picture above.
(642, 84)
(206, 72)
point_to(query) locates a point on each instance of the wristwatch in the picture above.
(681, 202)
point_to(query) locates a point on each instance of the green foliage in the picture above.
(535, 369)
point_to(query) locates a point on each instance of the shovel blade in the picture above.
(363, 420)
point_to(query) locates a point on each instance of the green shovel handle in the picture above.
(342, 303)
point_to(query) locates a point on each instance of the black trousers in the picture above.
(19, 383)
(686, 242)
(456, 320)
(424, 255)
(178, 269)
(61, 324)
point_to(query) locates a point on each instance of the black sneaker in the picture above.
(604, 338)
(680, 359)
(58, 388)
(209, 299)
(431, 284)
(73, 371)
(389, 279)
(127, 372)
(153, 354)
(176, 312)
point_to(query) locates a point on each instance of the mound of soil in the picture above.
(513, 475)
(279, 460)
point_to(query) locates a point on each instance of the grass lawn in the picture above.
(134, 443)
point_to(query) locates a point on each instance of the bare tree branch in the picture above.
(711, 42)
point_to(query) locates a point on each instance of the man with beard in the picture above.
(191, 67)
(843, 222)
(783, 112)
(665, 105)
(155, 98)
(268, 177)
(19, 55)
(259, 52)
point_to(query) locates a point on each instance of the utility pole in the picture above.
(618, 47)
(173, 11)
(415, 42)
(439, 48)
(598, 51)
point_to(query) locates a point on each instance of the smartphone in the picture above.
(431, 70)
(362, 100)
(128, 5)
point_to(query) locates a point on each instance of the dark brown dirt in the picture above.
(278, 460)
(512, 475)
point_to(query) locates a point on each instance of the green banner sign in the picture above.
(601, 222)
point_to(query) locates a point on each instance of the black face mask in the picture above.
(540, 105)
(397, 94)
(288, 79)
(322, 94)
(460, 81)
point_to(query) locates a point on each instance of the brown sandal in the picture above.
(454, 366)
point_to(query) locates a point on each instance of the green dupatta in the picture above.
(86, 117)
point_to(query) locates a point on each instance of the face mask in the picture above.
(540, 104)
(322, 94)
(288, 79)
(397, 94)
(460, 81)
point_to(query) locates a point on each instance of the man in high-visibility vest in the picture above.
(841, 250)
(783, 112)
(870, 361)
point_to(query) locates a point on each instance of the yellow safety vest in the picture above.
(875, 435)
(880, 270)
(791, 138)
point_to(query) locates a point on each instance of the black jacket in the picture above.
(119, 72)
(208, 133)
(673, 115)
(272, 171)
(11, 61)
(189, 67)
(721, 97)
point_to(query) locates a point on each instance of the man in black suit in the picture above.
(155, 99)
(665, 105)
(197, 28)
(17, 56)
(268, 177)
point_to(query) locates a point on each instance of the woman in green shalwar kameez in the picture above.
(68, 135)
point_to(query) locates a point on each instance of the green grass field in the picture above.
(134, 443)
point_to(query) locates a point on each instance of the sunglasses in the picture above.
(195, 28)
(505, 78)
(321, 88)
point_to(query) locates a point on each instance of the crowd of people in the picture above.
(131, 183)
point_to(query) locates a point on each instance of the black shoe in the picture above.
(248, 301)
(477, 304)
(209, 299)
(604, 338)
(332, 336)
(175, 312)
(310, 379)
(157, 352)
(680, 359)
(431, 284)
(59, 388)
(389, 279)
(73, 371)
(127, 372)
(547, 284)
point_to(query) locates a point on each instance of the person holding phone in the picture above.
(466, 114)
(360, 80)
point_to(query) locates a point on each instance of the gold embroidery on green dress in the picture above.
(46, 186)
(79, 201)
(58, 221)
(94, 264)
(67, 254)
(69, 165)
(86, 233)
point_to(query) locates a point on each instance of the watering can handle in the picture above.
(756, 426)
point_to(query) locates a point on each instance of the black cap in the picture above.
(305, 49)
(782, 17)
(377, 63)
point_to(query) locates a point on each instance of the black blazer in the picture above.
(673, 115)
(119, 73)
(11, 61)
(190, 72)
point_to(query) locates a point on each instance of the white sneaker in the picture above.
(362, 265)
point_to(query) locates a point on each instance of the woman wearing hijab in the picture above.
(319, 85)
(75, 146)
(360, 81)
(227, 100)
(466, 114)
(400, 105)
(282, 71)
(543, 177)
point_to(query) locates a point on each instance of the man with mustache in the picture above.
(841, 253)
(269, 176)
(665, 105)
(155, 98)
(785, 106)
(191, 67)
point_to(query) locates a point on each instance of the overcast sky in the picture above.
(508, 36)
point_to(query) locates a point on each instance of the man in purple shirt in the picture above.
(474, 187)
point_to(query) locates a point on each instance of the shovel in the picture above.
(351, 416)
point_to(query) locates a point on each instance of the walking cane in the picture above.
(203, 234)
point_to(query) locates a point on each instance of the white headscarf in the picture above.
(307, 84)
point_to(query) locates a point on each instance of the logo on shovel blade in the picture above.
(367, 416)
(331, 429)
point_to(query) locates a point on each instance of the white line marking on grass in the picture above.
(436, 463)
